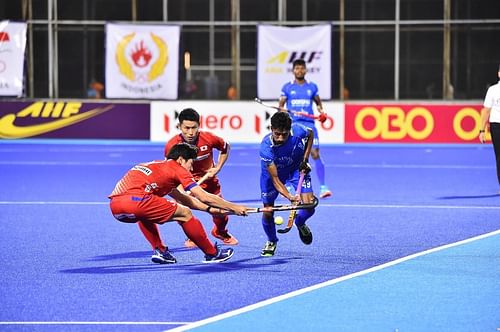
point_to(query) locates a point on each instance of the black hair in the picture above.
(281, 121)
(298, 62)
(184, 150)
(189, 114)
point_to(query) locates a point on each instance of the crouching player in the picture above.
(138, 197)
(284, 153)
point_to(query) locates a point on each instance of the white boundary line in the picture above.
(326, 283)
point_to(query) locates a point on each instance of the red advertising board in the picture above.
(412, 123)
(73, 119)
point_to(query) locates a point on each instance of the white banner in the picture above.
(142, 61)
(278, 47)
(237, 121)
(12, 46)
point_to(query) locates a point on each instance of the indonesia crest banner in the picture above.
(278, 47)
(12, 46)
(142, 61)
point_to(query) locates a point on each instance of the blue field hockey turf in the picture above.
(67, 265)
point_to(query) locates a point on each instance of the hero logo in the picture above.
(211, 122)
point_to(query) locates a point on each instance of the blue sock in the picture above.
(302, 216)
(269, 228)
(320, 170)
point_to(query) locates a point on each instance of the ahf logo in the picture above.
(141, 58)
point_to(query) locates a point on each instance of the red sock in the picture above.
(194, 230)
(152, 234)
(221, 223)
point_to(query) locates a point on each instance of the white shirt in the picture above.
(492, 100)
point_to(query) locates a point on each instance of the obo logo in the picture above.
(392, 123)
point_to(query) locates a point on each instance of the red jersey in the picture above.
(156, 177)
(205, 143)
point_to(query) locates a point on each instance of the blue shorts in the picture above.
(269, 194)
(311, 125)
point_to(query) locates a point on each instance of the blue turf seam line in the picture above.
(327, 283)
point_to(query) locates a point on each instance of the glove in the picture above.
(305, 167)
(322, 117)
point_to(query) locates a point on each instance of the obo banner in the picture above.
(142, 61)
(278, 47)
(12, 46)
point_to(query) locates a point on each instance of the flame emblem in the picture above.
(141, 57)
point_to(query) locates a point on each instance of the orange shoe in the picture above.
(190, 244)
(325, 192)
(227, 238)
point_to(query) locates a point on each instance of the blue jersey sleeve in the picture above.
(299, 130)
(266, 152)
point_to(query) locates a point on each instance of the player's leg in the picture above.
(220, 230)
(495, 137)
(268, 195)
(152, 234)
(131, 208)
(319, 166)
(194, 230)
(303, 215)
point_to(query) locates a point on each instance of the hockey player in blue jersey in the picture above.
(284, 154)
(298, 96)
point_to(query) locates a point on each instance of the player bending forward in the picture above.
(284, 154)
(206, 142)
(138, 198)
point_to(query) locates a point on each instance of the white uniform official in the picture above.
(491, 113)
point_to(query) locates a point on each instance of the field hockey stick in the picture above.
(199, 182)
(257, 100)
(298, 113)
(293, 213)
(289, 207)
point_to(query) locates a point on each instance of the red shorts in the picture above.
(130, 208)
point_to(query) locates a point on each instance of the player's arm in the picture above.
(309, 144)
(282, 102)
(319, 104)
(223, 156)
(485, 116)
(216, 201)
(319, 107)
(280, 187)
(193, 202)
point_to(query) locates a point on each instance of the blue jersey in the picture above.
(300, 98)
(287, 158)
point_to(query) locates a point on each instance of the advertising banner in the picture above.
(70, 119)
(236, 122)
(412, 123)
(12, 46)
(142, 61)
(278, 47)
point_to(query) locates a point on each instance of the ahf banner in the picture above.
(278, 47)
(142, 61)
(12, 46)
